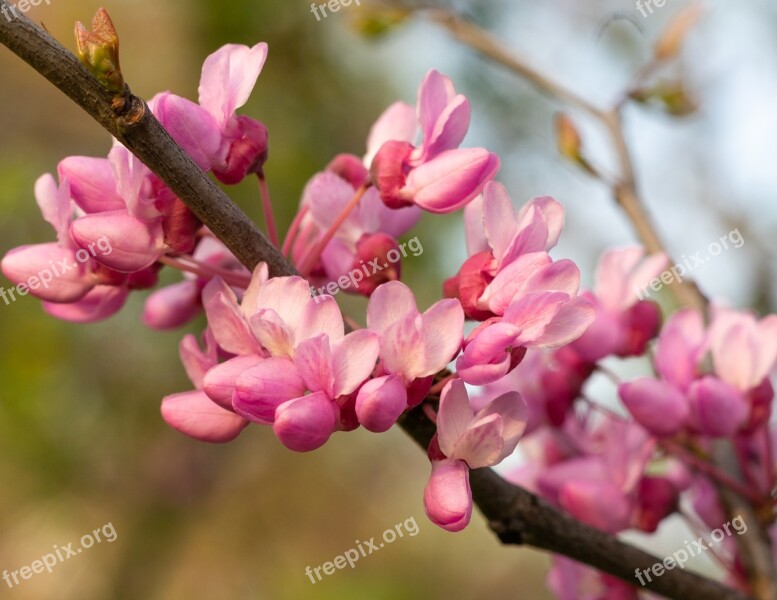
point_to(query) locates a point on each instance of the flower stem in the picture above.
(269, 218)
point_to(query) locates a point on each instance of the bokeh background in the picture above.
(81, 440)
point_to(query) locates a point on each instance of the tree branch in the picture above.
(517, 516)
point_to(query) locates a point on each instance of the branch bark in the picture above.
(515, 515)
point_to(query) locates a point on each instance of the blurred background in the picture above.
(81, 440)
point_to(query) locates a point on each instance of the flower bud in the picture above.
(448, 497)
(99, 51)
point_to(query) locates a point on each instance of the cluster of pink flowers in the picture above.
(274, 355)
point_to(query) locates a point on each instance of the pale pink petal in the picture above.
(226, 319)
(553, 213)
(717, 408)
(499, 220)
(320, 315)
(191, 126)
(92, 183)
(196, 362)
(196, 415)
(486, 358)
(101, 302)
(260, 390)
(434, 95)
(533, 312)
(570, 322)
(450, 129)
(559, 276)
(272, 333)
(313, 359)
(49, 272)
(134, 244)
(442, 331)
(454, 415)
(259, 277)
(327, 195)
(219, 382)
(656, 405)
(397, 123)
(514, 414)
(766, 340)
(477, 240)
(601, 505)
(481, 443)
(287, 296)
(451, 180)
(388, 304)
(380, 403)
(354, 358)
(305, 424)
(228, 77)
(531, 237)
(677, 352)
(172, 306)
(401, 348)
(55, 205)
(512, 280)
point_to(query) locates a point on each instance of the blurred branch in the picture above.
(625, 189)
(517, 516)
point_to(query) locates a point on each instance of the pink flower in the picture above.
(437, 175)
(413, 346)
(571, 580)
(194, 413)
(624, 324)
(298, 345)
(736, 396)
(61, 276)
(175, 305)
(228, 77)
(366, 237)
(497, 236)
(598, 486)
(468, 440)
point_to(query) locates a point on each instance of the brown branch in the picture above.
(513, 513)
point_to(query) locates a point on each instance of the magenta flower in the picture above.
(437, 175)
(468, 440)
